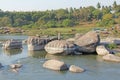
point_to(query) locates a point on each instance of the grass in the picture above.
(55, 31)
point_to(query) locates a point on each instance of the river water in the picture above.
(95, 67)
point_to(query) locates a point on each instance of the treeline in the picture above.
(103, 15)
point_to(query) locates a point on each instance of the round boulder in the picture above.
(59, 46)
(88, 42)
(55, 65)
(102, 50)
(75, 69)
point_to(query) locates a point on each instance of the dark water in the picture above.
(96, 68)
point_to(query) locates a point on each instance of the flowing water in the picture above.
(95, 67)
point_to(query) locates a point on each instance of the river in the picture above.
(95, 67)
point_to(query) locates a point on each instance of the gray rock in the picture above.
(88, 42)
(55, 65)
(59, 46)
(14, 66)
(12, 44)
(38, 43)
(75, 69)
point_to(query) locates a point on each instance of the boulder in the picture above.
(12, 44)
(102, 50)
(14, 66)
(88, 42)
(59, 46)
(55, 65)
(75, 69)
(111, 57)
(38, 43)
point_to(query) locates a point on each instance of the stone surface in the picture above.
(59, 46)
(88, 42)
(102, 50)
(12, 44)
(38, 43)
(111, 57)
(55, 65)
(14, 66)
(75, 69)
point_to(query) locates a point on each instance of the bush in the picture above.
(112, 46)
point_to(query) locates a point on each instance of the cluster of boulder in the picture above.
(60, 66)
(85, 44)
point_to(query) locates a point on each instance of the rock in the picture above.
(12, 44)
(55, 65)
(102, 50)
(14, 66)
(59, 46)
(38, 43)
(117, 54)
(75, 69)
(88, 42)
(111, 57)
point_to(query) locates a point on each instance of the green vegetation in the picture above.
(112, 46)
(102, 15)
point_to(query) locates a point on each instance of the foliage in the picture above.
(112, 46)
(69, 17)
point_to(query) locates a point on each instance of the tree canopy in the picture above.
(68, 17)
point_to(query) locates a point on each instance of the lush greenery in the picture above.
(101, 15)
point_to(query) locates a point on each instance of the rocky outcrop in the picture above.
(75, 69)
(38, 43)
(110, 40)
(102, 50)
(55, 65)
(88, 42)
(59, 46)
(12, 44)
(111, 57)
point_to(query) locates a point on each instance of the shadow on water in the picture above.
(12, 52)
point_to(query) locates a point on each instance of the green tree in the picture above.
(98, 5)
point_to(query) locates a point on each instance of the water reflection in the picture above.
(37, 54)
(99, 58)
(49, 56)
(12, 52)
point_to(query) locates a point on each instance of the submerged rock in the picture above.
(55, 65)
(88, 42)
(15, 66)
(111, 57)
(75, 69)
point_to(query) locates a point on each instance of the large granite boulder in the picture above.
(59, 46)
(75, 69)
(88, 42)
(102, 50)
(12, 44)
(55, 65)
(111, 57)
(37, 43)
